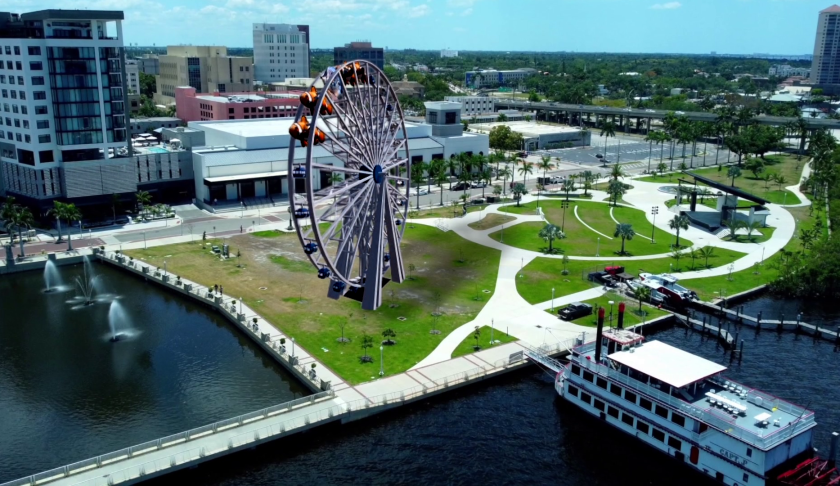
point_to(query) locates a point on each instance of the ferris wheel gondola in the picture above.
(349, 194)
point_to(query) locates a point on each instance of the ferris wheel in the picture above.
(352, 186)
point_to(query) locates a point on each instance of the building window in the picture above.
(573, 390)
(746, 478)
(601, 383)
(44, 138)
(658, 435)
(627, 419)
(39, 95)
(599, 405)
(41, 110)
(629, 396)
(586, 375)
(661, 411)
(612, 411)
(615, 389)
(584, 397)
(433, 119)
(42, 124)
(678, 419)
(46, 156)
(36, 66)
(675, 443)
(17, 50)
(575, 368)
(34, 50)
(37, 80)
(749, 452)
(645, 403)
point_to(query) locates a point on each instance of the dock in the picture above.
(333, 399)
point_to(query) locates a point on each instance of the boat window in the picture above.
(642, 427)
(612, 412)
(678, 419)
(601, 383)
(629, 396)
(746, 477)
(658, 435)
(702, 428)
(588, 376)
(675, 443)
(749, 452)
(599, 405)
(645, 403)
(585, 397)
(573, 390)
(576, 369)
(627, 419)
(661, 411)
(615, 389)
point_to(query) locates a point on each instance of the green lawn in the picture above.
(267, 234)
(490, 221)
(296, 303)
(466, 346)
(450, 211)
(543, 274)
(785, 165)
(709, 288)
(581, 240)
(631, 312)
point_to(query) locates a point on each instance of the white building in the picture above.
(493, 77)
(473, 105)
(538, 137)
(64, 106)
(248, 159)
(132, 76)
(280, 51)
(448, 53)
(785, 70)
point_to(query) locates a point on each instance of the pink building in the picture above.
(191, 106)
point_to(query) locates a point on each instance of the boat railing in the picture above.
(728, 425)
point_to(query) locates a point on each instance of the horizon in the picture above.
(688, 27)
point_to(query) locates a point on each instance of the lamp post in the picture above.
(293, 347)
(214, 232)
(654, 211)
(240, 305)
(164, 268)
(144, 240)
(290, 219)
(492, 323)
(564, 205)
(552, 300)
(81, 231)
(598, 247)
(611, 311)
(381, 361)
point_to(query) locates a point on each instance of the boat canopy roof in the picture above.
(666, 363)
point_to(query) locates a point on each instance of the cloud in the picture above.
(419, 11)
(666, 6)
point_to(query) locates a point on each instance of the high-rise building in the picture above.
(448, 53)
(359, 50)
(149, 64)
(205, 68)
(825, 67)
(280, 51)
(63, 97)
(132, 76)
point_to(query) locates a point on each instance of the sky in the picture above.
(672, 26)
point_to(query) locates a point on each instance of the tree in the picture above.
(485, 176)
(367, 342)
(533, 96)
(565, 264)
(807, 237)
(677, 254)
(549, 233)
(751, 227)
(735, 225)
(143, 199)
(755, 165)
(148, 86)
(452, 165)
(518, 191)
(780, 180)
(440, 177)
(706, 252)
(545, 164)
(476, 336)
(389, 335)
(501, 118)
(693, 254)
(616, 189)
(497, 190)
(58, 211)
(416, 180)
(662, 167)
(767, 177)
(679, 222)
(616, 172)
(607, 131)
(733, 173)
(641, 293)
(526, 169)
(19, 217)
(504, 174)
(625, 232)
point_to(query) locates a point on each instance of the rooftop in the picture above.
(667, 364)
(73, 15)
(528, 129)
(728, 189)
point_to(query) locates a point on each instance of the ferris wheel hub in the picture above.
(378, 176)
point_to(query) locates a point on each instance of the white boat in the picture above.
(664, 288)
(682, 405)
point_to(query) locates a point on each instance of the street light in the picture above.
(611, 311)
(492, 322)
(290, 219)
(552, 300)
(564, 205)
(240, 305)
(654, 211)
(214, 232)
(144, 240)
(381, 361)
(598, 247)
(164, 267)
(293, 347)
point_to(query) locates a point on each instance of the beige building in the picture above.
(208, 69)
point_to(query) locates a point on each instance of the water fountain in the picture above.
(52, 279)
(86, 285)
(117, 319)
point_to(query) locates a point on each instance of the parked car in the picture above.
(461, 186)
(679, 112)
(575, 310)
(479, 184)
(599, 156)
(603, 278)
(650, 111)
(422, 190)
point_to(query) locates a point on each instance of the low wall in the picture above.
(38, 262)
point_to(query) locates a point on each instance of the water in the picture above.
(515, 430)
(52, 279)
(118, 321)
(67, 393)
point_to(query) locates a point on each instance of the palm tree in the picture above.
(641, 293)
(58, 211)
(504, 174)
(706, 252)
(465, 178)
(115, 203)
(452, 165)
(607, 131)
(693, 254)
(751, 227)
(424, 167)
(440, 177)
(550, 233)
(486, 176)
(20, 217)
(143, 199)
(780, 180)
(526, 169)
(416, 180)
(650, 138)
(586, 176)
(732, 173)
(518, 191)
(680, 222)
(545, 164)
(677, 254)
(616, 172)
(616, 189)
(625, 232)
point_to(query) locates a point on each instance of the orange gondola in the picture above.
(309, 99)
(300, 131)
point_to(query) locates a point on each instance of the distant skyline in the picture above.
(656, 26)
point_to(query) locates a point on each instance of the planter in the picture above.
(146, 270)
(188, 287)
(165, 278)
(265, 337)
(239, 316)
(217, 299)
(312, 375)
(293, 360)
(325, 385)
